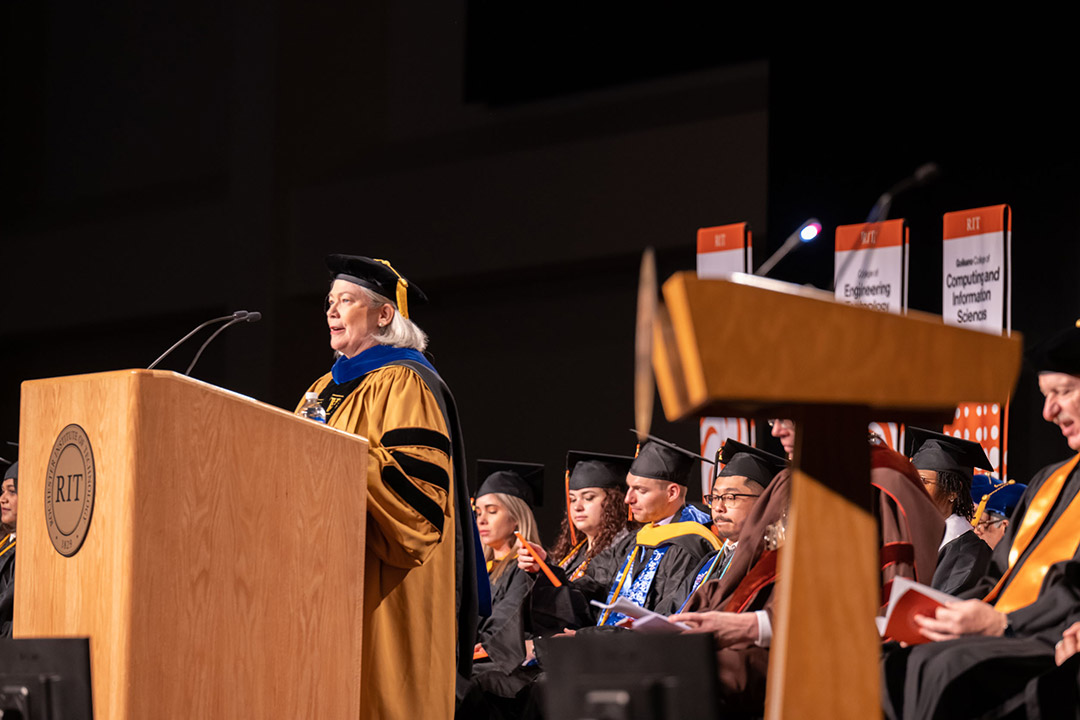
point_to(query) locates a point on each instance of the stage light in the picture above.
(810, 230)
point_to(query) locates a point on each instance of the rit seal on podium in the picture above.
(69, 490)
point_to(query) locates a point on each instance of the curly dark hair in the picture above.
(613, 521)
(953, 482)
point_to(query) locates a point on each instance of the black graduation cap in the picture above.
(522, 480)
(589, 469)
(662, 460)
(936, 451)
(377, 275)
(749, 462)
(12, 471)
(1058, 353)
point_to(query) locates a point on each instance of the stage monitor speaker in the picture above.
(45, 679)
(624, 675)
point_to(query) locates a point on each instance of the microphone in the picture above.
(923, 174)
(246, 317)
(805, 233)
(238, 315)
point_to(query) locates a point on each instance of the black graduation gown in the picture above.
(972, 676)
(7, 591)
(675, 602)
(678, 567)
(961, 564)
(570, 605)
(576, 559)
(504, 625)
(553, 609)
(1052, 694)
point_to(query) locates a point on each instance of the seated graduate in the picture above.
(742, 475)
(504, 505)
(995, 503)
(596, 488)
(650, 565)
(736, 607)
(9, 510)
(986, 651)
(595, 511)
(675, 538)
(945, 464)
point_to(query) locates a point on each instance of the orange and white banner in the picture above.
(721, 251)
(714, 433)
(871, 271)
(976, 293)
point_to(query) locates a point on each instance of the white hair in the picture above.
(401, 332)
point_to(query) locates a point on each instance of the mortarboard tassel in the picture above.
(982, 503)
(402, 290)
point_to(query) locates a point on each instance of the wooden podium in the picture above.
(220, 574)
(754, 347)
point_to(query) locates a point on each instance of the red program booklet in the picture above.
(908, 599)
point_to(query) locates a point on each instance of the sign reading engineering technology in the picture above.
(69, 490)
(871, 264)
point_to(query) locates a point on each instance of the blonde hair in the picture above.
(522, 514)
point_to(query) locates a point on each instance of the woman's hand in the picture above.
(525, 560)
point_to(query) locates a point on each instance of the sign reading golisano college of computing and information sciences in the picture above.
(976, 255)
(721, 251)
(976, 293)
(871, 271)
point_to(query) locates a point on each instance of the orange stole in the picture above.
(1060, 543)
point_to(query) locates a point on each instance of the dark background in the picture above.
(164, 163)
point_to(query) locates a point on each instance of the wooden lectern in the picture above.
(210, 546)
(755, 347)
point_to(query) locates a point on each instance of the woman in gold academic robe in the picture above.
(419, 605)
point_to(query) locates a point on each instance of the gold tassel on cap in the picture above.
(982, 503)
(402, 290)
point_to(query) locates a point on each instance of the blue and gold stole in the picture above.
(657, 538)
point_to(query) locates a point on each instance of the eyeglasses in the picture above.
(726, 498)
(987, 524)
(783, 423)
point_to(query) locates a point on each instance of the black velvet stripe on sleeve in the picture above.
(408, 492)
(422, 470)
(415, 437)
